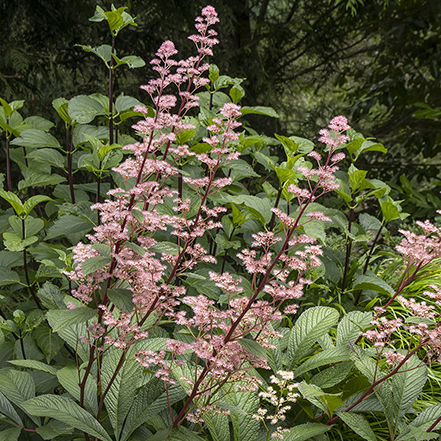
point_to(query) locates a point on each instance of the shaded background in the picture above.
(374, 61)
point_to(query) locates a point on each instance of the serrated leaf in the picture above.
(358, 424)
(69, 379)
(253, 347)
(151, 399)
(245, 427)
(304, 432)
(82, 109)
(165, 247)
(10, 434)
(67, 411)
(333, 375)
(15, 243)
(94, 264)
(122, 298)
(351, 325)
(37, 179)
(53, 429)
(310, 326)
(328, 356)
(35, 139)
(48, 342)
(33, 364)
(122, 391)
(374, 283)
(7, 409)
(8, 277)
(48, 156)
(13, 200)
(68, 224)
(60, 319)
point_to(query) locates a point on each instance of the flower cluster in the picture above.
(278, 399)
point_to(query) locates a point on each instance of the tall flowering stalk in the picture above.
(219, 346)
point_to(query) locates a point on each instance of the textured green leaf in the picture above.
(94, 263)
(15, 243)
(374, 283)
(122, 298)
(69, 379)
(407, 386)
(8, 277)
(7, 409)
(358, 424)
(60, 319)
(47, 156)
(36, 138)
(304, 432)
(218, 426)
(67, 411)
(37, 179)
(71, 335)
(245, 427)
(10, 434)
(150, 400)
(32, 225)
(48, 342)
(310, 326)
(53, 429)
(13, 200)
(253, 347)
(351, 325)
(183, 434)
(39, 123)
(82, 109)
(122, 391)
(333, 375)
(37, 365)
(68, 224)
(328, 356)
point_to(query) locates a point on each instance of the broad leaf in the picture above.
(60, 319)
(310, 326)
(304, 432)
(68, 412)
(36, 138)
(358, 424)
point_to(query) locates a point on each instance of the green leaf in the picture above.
(60, 105)
(237, 92)
(47, 156)
(68, 412)
(32, 225)
(33, 201)
(358, 424)
(48, 342)
(151, 399)
(83, 109)
(351, 325)
(374, 283)
(15, 243)
(36, 138)
(407, 386)
(10, 434)
(39, 123)
(165, 247)
(333, 375)
(122, 391)
(53, 429)
(8, 410)
(69, 379)
(218, 426)
(94, 264)
(66, 225)
(131, 60)
(259, 110)
(245, 427)
(37, 365)
(13, 200)
(37, 179)
(183, 434)
(8, 277)
(311, 325)
(328, 356)
(390, 211)
(51, 297)
(304, 432)
(122, 298)
(60, 319)
(253, 347)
